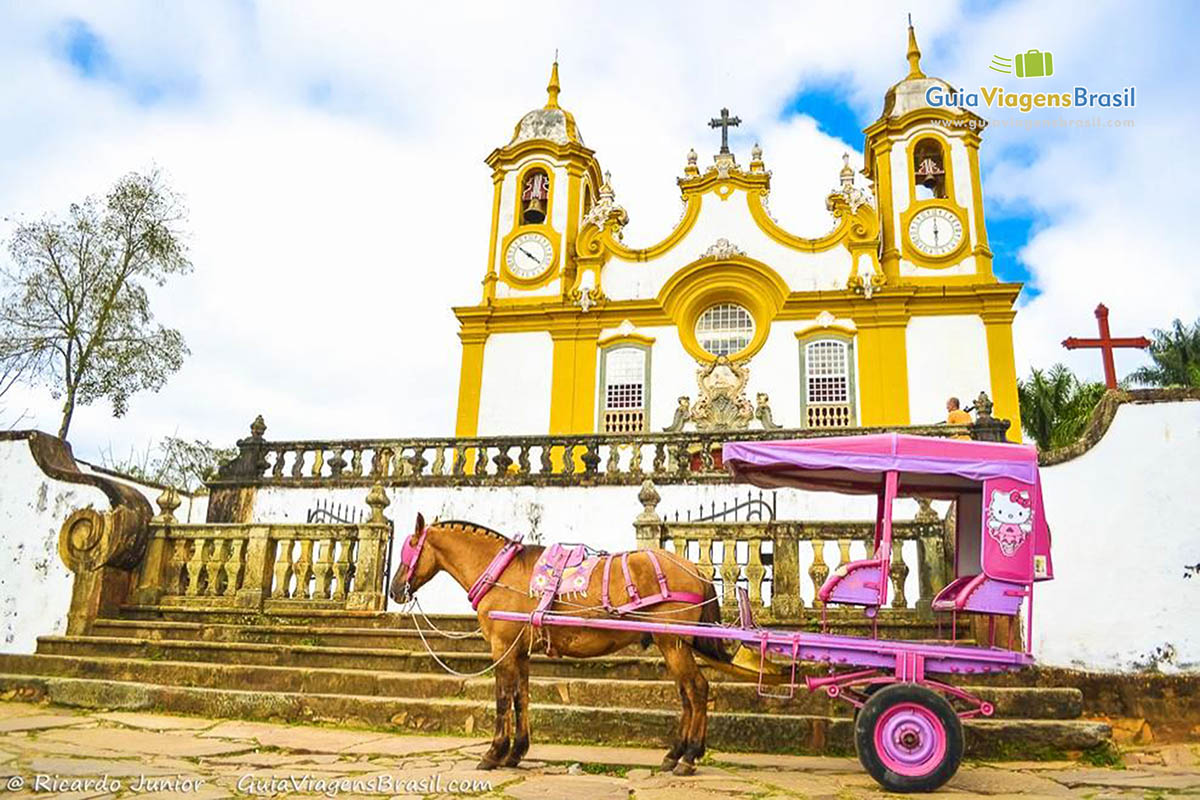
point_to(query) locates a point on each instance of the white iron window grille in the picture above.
(828, 403)
(725, 329)
(625, 390)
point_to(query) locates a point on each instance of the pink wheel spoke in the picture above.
(910, 739)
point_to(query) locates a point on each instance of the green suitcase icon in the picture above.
(1034, 64)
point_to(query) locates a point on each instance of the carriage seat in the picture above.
(855, 583)
(981, 594)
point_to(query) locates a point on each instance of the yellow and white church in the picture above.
(875, 322)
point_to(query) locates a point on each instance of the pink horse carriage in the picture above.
(908, 721)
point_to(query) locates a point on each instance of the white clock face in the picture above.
(529, 255)
(935, 231)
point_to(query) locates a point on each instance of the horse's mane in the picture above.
(471, 527)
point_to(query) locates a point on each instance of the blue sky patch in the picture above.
(89, 56)
(827, 105)
(1008, 232)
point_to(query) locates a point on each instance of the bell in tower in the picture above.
(534, 195)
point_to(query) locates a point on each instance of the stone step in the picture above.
(403, 637)
(849, 621)
(731, 696)
(772, 733)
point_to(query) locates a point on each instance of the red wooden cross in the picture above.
(1106, 343)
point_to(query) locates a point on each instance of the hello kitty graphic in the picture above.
(1010, 519)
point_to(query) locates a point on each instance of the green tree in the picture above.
(1176, 357)
(173, 461)
(1055, 405)
(76, 310)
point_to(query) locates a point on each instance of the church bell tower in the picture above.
(924, 161)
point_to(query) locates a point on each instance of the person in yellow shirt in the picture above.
(956, 416)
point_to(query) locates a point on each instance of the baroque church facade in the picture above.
(876, 322)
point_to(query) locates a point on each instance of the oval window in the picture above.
(725, 329)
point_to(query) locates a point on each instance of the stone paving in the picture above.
(48, 751)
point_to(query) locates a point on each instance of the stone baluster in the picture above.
(337, 464)
(281, 586)
(730, 569)
(277, 467)
(195, 568)
(755, 572)
(547, 458)
(318, 462)
(523, 466)
(635, 459)
(303, 569)
(214, 567)
(660, 459)
(503, 461)
(356, 462)
(234, 564)
(298, 464)
(818, 570)
(418, 462)
(844, 551)
(323, 568)
(613, 465)
(177, 571)
(342, 570)
(705, 564)
(898, 572)
(590, 458)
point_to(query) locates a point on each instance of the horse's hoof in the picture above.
(512, 761)
(486, 764)
(668, 764)
(684, 768)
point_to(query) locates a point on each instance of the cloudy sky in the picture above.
(331, 155)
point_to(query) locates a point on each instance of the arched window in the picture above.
(929, 169)
(535, 197)
(625, 389)
(827, 382)
(725, 329)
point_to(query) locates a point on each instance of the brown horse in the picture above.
(465, 550)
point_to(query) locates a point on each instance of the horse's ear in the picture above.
(420, 522)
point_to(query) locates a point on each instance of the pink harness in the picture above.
(410, 554)
(636, 601)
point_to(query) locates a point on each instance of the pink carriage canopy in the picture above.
(949, 469)
(857, 464)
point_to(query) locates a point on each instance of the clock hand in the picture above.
(935, 231)
(527, 253)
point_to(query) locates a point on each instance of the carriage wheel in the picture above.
(908, 738)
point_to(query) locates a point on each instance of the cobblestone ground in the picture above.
(47, 751)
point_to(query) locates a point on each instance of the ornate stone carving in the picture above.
(605, 210)
(762, 412)
(586, 299)
(722, 248)
(722, 403)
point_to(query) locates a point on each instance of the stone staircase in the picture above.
(371, 669)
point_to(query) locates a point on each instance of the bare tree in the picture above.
(76, 311)
(182, 463)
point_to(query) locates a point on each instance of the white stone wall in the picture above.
(947, 357)
(515, 391)
(1123, 530)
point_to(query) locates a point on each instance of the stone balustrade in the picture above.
(772, 557)
(566, 460)
(249, 565)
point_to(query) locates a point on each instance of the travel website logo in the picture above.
(1031, 63)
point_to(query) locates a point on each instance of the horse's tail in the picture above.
(711, 646)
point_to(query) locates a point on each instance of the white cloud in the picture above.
(332, 158)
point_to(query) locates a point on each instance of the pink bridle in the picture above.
(411, 553)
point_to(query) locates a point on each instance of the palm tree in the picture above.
(1055, 406)
(1176, 356)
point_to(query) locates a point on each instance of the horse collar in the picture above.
(487, 579)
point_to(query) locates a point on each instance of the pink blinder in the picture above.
(910, 740)
(410, 554)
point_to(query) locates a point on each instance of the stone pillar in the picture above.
(647, 526)
(987, 428)
(785, 592)
(370, 565)
(229, 501)
(256, 579)
(152, 573)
